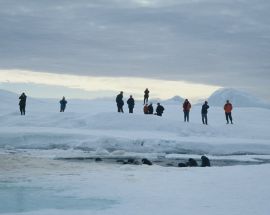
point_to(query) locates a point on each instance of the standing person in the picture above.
(146, 96)
(150, 109)
(186, 109)
(204, 112)
(131, 104)
(120, 102)
(160, 109)
(63, 104)
(145, 109)
(228, 111)
(22, 103)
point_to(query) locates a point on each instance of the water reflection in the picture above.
(15, 199)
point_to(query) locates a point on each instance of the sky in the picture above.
(95, 48)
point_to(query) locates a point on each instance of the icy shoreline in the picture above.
(38, 185)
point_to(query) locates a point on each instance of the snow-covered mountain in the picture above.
(174, 100)
(237, 97)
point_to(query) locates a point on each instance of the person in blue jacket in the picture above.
(160, 109)
(131, 103)
(204, 112)
(63, 104)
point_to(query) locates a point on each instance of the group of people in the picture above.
(227, 108)
(204, 111)
(147, 109)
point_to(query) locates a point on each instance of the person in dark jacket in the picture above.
(204, 112)
(131, 104)
(146, 96)
(150, 109)
(22, 103)
(228, 111)
(160, 109)
(63, 103)
(186, 109)
(120, 102)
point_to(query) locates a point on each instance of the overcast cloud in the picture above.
(215, 42)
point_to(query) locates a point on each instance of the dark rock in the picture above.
(98, 159)
(182, 165)
(191, 162)
(205, 161)
(131, 161)
(136, 162)
(146, 161)
(169, 164)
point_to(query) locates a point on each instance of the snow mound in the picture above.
(8, 97)
(174, 100)
(237, 97)
(10, 101)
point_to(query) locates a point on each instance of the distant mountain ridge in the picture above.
(237, 97)
(218, 98)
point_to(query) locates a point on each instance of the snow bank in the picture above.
(132, 133)
(94, 125)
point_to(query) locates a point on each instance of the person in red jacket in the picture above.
(228, 111)
(186, 109)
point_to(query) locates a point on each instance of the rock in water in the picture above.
(98, 159)
(182, 165)
(192, 163)
(205, 161)
(146, 161)
(131, 161)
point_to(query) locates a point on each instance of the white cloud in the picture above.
(159, 88)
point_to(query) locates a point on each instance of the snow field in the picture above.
(96, 127)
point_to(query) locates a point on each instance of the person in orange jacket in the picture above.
(228, 111)
(145, 109)
(186, 109)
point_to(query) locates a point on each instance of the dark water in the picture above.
(165, 162)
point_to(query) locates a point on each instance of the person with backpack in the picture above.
(186, 109)
(228, 111)
(146, 96)
(160, 109)
(204, 112)
(120, 102)
(63, 103)
(22, 103)
(131, 104)
(150, 109)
